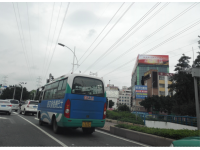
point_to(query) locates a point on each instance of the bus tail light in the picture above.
(9, 105)
(67, 109)
(104, 111)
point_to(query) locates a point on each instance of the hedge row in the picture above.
(124, 116)
(168, 133)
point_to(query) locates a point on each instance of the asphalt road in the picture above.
(20, 130)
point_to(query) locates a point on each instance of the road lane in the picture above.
(76, 137)
(15, 131)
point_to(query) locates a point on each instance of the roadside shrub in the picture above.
(168, 133)
(124, 116)
(123, 108)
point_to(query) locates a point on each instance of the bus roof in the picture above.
(73, 75)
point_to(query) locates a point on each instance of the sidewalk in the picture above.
(106, 127)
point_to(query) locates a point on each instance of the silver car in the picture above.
(15, 104)
(5, 106)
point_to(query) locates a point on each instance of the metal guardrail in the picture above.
(184, 120)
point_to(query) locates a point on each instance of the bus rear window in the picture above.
(87, 86)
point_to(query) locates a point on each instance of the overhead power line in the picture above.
(48, 39)
(28, 69)
(30, 36)
(174, 36)
(108, 31)
(128, 31)
(58, 36)
(53, 35)
(103, 30)
(175, 39)
(164, 53)
(159, 29)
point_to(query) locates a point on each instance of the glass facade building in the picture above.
(141, 68)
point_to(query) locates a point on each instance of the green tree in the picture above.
(8, 93)
(111, 103)
(197, 60)
(166, 103)
(32, 94)
(147, 103)
(183, 85)
(123, 107)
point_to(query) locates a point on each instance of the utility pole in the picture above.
(74, 63)
(14, 92)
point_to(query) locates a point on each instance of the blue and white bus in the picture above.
(73, 100)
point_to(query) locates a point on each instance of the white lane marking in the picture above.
(15, 112)
(3, 118)
(36, 118)
(121, 138)
(61, 143)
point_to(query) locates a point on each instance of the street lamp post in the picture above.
(73, 57)
(21, 93)
(22, 89)
(14, 93)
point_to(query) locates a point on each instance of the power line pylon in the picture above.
(39, 81)
(4, 81)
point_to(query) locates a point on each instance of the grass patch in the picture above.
(167, 133)
(124, 116)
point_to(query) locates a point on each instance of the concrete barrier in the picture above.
(121, 122)
(145, 138)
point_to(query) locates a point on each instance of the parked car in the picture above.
(15, 104)
(187, 142)
(5, 106)
(29, 106)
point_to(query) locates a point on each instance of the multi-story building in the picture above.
(143, 64)
(112, 93)
(157, 83)
(125, 96)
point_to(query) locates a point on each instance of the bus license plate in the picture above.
(3, 105)
(86, 124)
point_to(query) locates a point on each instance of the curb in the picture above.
(103, 130)
(145, 138)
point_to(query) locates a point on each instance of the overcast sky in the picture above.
(100, 32)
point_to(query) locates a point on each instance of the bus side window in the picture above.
(64, 85)
(60, 93)
(60, 85)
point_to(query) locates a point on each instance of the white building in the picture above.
(112, 93)
(125, 96)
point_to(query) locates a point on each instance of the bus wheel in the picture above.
(40, 121)
(88, 130)
(56, 128)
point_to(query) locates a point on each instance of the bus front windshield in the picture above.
(87, 86)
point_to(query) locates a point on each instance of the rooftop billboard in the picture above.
(153, 59)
